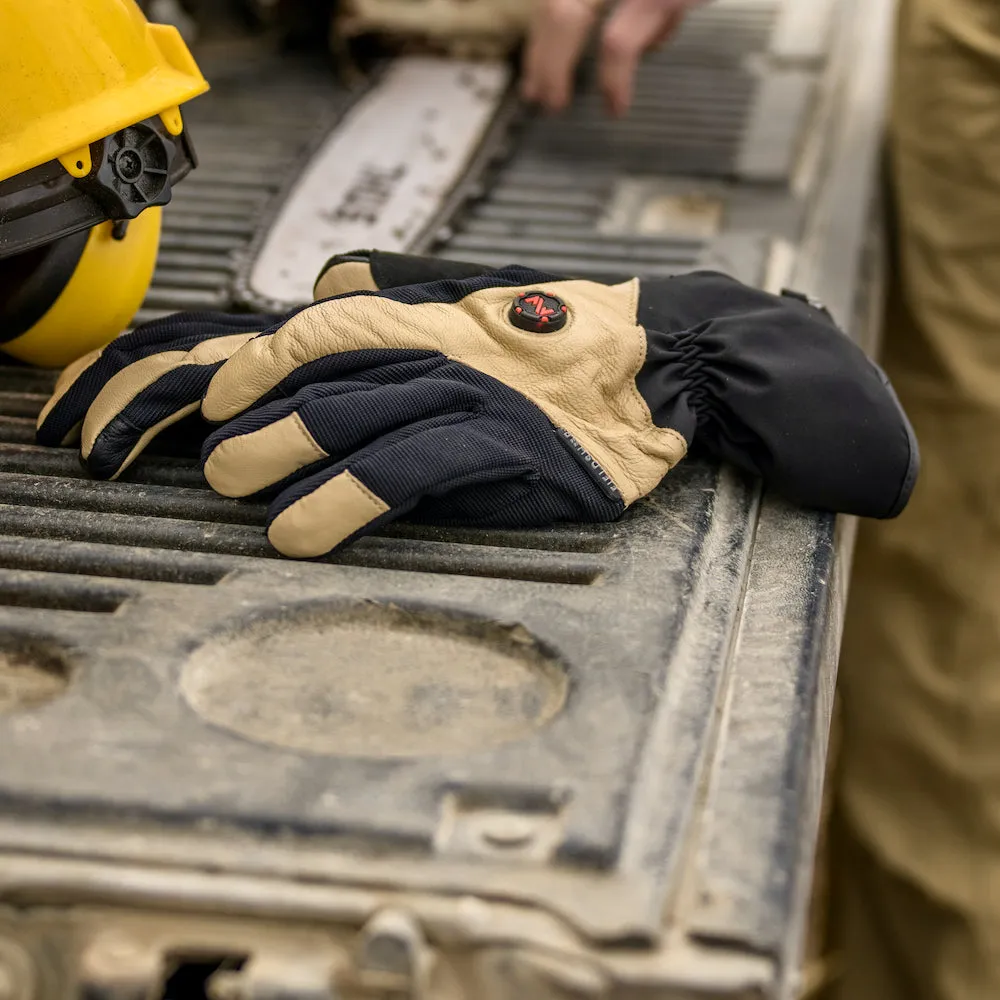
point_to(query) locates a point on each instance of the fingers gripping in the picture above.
(558, 37)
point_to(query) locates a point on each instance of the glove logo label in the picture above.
(538, 312)
(590, 465)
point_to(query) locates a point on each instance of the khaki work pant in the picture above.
(915, 874)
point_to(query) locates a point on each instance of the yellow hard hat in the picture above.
(91, 142)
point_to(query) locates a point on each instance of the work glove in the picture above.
(114, 401)
(513, 398)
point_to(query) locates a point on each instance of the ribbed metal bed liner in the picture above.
(544, 206)
(611, 737)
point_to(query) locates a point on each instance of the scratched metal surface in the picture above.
(618, 728)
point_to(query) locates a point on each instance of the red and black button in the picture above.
(538, 312)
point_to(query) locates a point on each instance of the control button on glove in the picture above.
(426, 399)
(115, 400)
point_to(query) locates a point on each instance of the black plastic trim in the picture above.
(46, 203)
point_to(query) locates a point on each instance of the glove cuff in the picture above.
(778, 390)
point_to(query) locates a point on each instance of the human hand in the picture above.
(559, 33)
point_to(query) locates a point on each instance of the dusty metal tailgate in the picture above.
(573, 762)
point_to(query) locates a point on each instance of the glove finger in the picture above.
(373, 270)
(323, 422)
(386, 480)
(187, 329)
(81, 382)
(61, 417)
(145, 398)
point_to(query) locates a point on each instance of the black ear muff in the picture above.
(31, 282)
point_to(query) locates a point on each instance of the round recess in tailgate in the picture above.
(375, 681)
(33, 671)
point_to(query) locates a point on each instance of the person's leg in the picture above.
(918, 892)
(893, 941)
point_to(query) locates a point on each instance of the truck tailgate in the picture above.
(583, 761)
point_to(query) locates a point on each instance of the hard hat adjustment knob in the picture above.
(132, 171)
